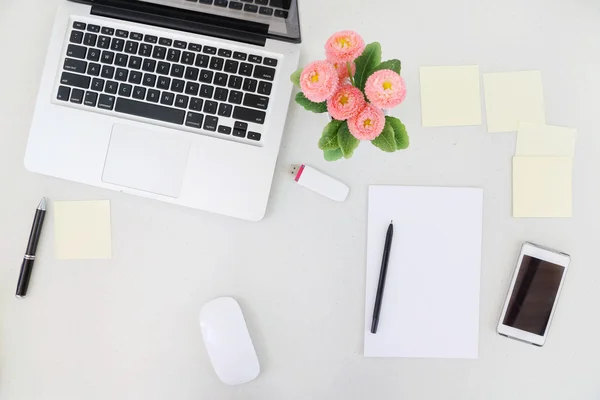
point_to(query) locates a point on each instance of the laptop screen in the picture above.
(281, 16)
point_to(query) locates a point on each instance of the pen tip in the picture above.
(42, 205)
(392, 222)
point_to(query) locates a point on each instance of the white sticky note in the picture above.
(542, 187)
(450, 96)
(82, 229)
(545, 140)
(511, 97)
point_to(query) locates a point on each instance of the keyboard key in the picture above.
(221, 3)
(240, 56)
(270, 62)
(93, 28)
(173, 55)
(194, 47)
(210, 50)
(206, 91)
(107, 57)
(149, 80)
(265, 11)
(250, 115)
(111, 87)
(192, 88)
(255, 59)
(121, 75)
(225, 110)
(196, 104)
(235, 97)
(191, 73)
(93, 54)
(145, 50)
(136, 36)
(177, 70)
(117, 44)
(177, 85)
(131, 47)
(239, 133)
(194, 120)
(206, 76)
(254, 101)
(188, 58)
(235, 5)
(80, 81)
(107, 72)
(246, 69)
(106, 102)
(167, 98)
(139, 93)
(153, 95)
(163, 68)
(281, 14)
(202, 60)
(281, 4)
(262, 2)
(205, 1)
(221, 94)
(165, 41)
(224, 53)
(121, 60)
(93, 69)
(240, 125)
(76, 51)
(159, 52)
(150, 39)
(266, 73)
(264, 88)
(73, 65)
(225, 130)
(125, 89)
(104, 42)
(216, 63)
(77, 96)
(250, 85)
(135, 77)
(250, 8)
(91, 99)
(210, 123)
(149, 65)
(180, 44)
(231, 66)
(121, 33)
(152, 111)
(253, 136)
(220, 79)
(78, 25)
(210, 107)
(163, 83)
(90, 39)
(63, 93)
(135, 62)
(181, 101)
(97, 84)
(235, 82)
(108, 31)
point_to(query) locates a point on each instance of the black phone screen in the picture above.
(533, 295)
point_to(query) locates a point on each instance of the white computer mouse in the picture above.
(228, 341)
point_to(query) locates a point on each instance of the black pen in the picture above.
(29, 257)
(382, 274)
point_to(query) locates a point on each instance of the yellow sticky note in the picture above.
(82, 229)
(545, 140)
(542, 187)
(513, 97)
(450, 96)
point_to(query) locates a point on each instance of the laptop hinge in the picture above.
(180, 20)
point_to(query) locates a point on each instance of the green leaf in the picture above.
(329, 138)
(347, 142)
(366, 64)
(394, 65)
(386, 141)
(400, 134)
(333, 155)
(309, 105)
(295, 77)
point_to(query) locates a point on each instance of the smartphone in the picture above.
(533, 294)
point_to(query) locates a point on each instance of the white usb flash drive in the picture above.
(318, 182)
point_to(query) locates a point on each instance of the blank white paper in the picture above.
(430, 305)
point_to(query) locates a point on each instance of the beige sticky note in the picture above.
(82, 229)
(450, 96)
(545, 140)
(512, 97)
(542, 187)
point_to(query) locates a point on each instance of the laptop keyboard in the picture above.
(269, 8)
(182, 83)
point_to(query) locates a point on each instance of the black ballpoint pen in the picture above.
(29, 257)
(382, 274)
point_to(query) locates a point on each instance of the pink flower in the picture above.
(344, 46)
(345, 103)
(319, 81)
(385, 89)
(342, 70)
(368, 124)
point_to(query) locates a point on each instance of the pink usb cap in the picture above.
(318, 182)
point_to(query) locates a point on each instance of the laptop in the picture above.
(175, 100)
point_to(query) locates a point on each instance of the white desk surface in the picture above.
(127, 328)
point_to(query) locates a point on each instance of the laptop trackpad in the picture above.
(146, 160)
